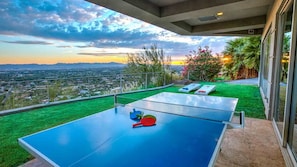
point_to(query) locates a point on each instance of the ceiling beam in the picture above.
(146, 6)
(184, 26)
(176, 17)
(150, 14)
(257, 22)
(192, 5)
(257, 31)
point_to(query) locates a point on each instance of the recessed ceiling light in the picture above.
(220, 14)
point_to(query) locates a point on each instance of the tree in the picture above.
(285, 57)
(202, 65)
(244, 56)
(151, 60)
(54, 90)
(286, 42)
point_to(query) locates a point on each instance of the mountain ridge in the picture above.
(58, 66)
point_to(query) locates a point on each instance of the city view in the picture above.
(38, 85)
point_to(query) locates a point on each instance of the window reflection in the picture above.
(293, 140)
(293, 123)
(264, 75)
(284, 64)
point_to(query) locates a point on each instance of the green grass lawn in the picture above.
(18, 125)
(249, 97)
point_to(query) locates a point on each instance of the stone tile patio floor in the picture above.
(255, 145)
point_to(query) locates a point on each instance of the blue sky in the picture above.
(69, 31)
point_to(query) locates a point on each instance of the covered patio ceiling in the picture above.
(197, 17)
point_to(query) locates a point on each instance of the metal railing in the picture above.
(18, 94)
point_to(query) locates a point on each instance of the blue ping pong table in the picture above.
(179, 138)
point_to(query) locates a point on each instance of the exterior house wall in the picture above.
(271, 27)
(274, 28)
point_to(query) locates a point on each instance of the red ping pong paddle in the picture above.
(146, 121)
(149, 116)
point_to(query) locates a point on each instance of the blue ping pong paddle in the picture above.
(136, 115)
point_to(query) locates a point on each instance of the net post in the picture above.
(242, 118)
(115, 100)
(115, 93)
(239, 125)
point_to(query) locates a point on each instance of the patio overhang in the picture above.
(197, 17)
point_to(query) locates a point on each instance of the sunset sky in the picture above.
(70, 31)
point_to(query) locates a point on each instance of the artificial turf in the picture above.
(249, 96)
(18, 125)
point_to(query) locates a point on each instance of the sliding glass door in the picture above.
(292, 131)
(292, 139)
(283, 64)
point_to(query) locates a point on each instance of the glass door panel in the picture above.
(293, 124)
(284, 64)
(265, 68)
(292, 136)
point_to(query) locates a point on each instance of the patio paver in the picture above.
(255, 145)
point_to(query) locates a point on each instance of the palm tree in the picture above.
(245, 55)
(233, 49)
(252, 54)
(251, 51)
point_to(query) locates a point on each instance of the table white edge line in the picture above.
(36, 153)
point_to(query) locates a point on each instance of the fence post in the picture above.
(164, 82)
(145, 80)
(188, 75)
(121, 84)
(48, 92)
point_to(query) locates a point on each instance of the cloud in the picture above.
(103, 54)
(75, 21)
(29, 42)
(36, 18)
(89, 45)
(85, 46)
(65, 46)
(111, 51)
(92, 25)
